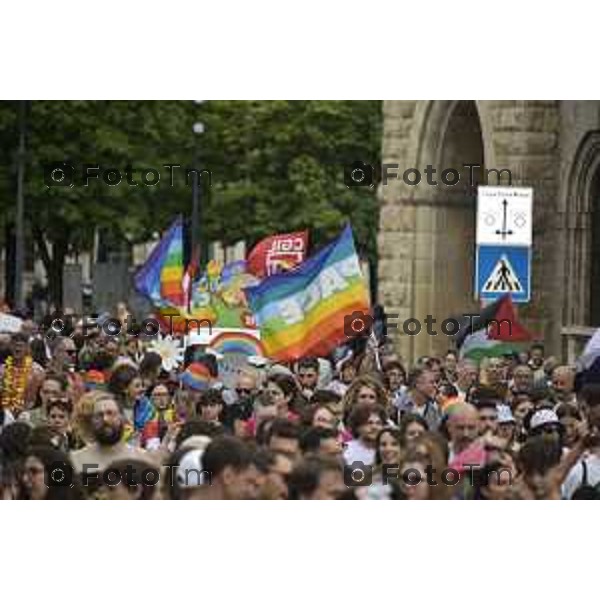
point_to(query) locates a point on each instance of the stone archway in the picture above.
(426, 232)
(581, 305)
(451, 137)
(594, 271)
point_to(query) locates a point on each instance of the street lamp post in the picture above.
(198, 129)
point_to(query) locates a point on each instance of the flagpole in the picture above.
(198, 129)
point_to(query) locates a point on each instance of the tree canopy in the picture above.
(276, 166)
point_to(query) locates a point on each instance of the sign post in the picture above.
(504, 240)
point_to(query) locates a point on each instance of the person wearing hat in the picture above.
(198, 376)
(507, 427)
(544, 422)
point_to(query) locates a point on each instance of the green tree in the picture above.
(276, 166)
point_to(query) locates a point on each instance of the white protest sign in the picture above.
(9, 323)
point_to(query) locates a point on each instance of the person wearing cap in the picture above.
(507, 427)
(545, 422)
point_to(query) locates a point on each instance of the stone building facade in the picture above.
(427, 233)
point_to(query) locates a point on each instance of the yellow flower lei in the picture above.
(14, 382)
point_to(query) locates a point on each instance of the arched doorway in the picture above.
(594, 253)
(581, 283)
(460, 143)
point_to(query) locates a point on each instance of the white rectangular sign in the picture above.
(504, 216)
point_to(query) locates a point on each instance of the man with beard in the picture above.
(108, 446)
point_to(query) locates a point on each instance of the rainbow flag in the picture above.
(197, 377)
(301, 312)
(159, 279)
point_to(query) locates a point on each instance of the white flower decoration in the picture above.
(170, 350)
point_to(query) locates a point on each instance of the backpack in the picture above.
(586, 491)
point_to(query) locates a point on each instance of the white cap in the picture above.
(543, 417)
(505, 414)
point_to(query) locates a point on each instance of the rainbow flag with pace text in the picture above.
(301, 312)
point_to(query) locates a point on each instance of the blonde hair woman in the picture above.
(82, 416)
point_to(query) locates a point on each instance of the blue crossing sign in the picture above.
(503, 269)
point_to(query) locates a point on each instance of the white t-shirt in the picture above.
(356, 450)
(575, 476)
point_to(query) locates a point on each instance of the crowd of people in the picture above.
(97, 416)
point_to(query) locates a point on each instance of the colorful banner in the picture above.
(302, 313)
(234, 349)
(277, 253)
(219, 295)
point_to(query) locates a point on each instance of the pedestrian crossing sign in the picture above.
(501, 270)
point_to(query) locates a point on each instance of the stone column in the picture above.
(525, 139)
(398, 222)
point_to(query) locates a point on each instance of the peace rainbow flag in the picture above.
(171, 274)
(301, 312)
(160, 277)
